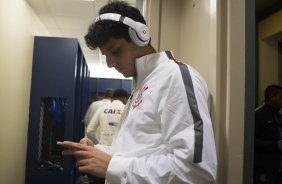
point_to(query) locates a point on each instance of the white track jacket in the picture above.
(93, 107)
(166, 135)
(108, 118)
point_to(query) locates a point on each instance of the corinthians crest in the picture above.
(139, 99)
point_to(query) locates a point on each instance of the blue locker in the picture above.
(104, 84)
(100, 85)
(127, 85)
(58, 101)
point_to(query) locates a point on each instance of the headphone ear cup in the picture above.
(135, 39)
(138, 32)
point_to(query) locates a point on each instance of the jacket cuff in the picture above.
(117, 169)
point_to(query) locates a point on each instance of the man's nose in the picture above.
(110, 62)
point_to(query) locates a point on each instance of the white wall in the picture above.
(18, 26)
(235, 90)
(169, 34)
(268, 52)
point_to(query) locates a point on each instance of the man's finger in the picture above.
(82, 154)
(74, 145)
(83, 169)
(67, 152)
(83, 162)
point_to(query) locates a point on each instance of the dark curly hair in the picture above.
(100, 32)
(271, 90)
(120, 93)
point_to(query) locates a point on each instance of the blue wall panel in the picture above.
(100, 85)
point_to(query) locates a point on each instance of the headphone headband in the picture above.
(109, 16)
(138, 32)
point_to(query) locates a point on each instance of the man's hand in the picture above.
(86, 141)
(89, 159)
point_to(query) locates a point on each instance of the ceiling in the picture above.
(71, 18)
(265, 8)
(262, 5)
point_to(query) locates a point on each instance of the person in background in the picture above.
(94, 106)
(166, 133)
(268, 138)
(108, 118)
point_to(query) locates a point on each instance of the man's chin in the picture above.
(126, 76)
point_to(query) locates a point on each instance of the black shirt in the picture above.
(267, 134)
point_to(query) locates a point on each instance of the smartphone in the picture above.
(60, 143)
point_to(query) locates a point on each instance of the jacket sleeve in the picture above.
(189, 159)
(87, 116)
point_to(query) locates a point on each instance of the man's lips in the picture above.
(119, 69)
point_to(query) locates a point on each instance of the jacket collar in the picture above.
(146, 64)
(270, 108)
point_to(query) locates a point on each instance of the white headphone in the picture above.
(138, 32)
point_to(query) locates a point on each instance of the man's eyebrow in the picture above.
(107, 50)
(113, 47)
(110, 47)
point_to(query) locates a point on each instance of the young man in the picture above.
(107, 118)
(268, 138)
(94, 106)
(92, 109)
(166, 133)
